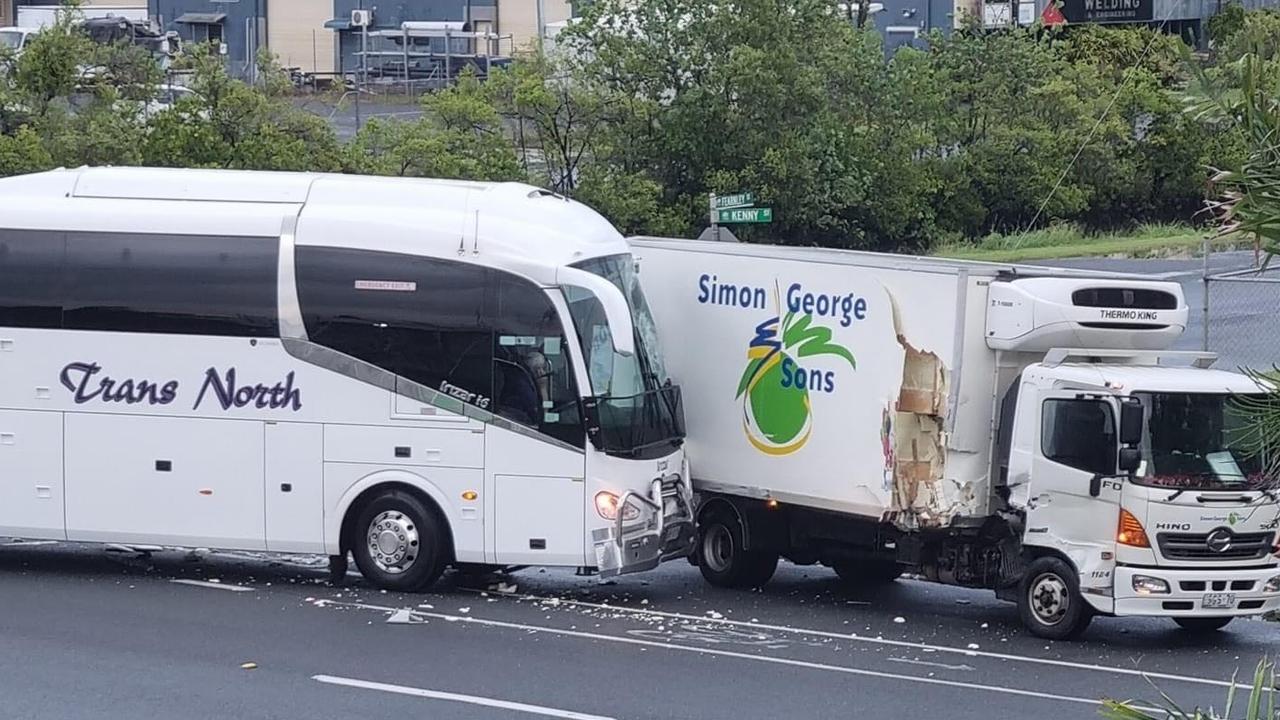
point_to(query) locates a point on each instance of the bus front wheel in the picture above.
(398, 542)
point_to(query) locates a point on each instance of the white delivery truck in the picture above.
(1014, 428)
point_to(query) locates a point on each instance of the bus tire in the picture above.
(1202, 625)
(723, 558)
(859, 573)
(1049, 600)
(399, 542)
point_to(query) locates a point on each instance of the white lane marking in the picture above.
(926, 663)
(853, 637)
(730, 654)
(211, 585)
(455, 697)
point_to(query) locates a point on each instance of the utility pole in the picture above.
(364, 66)
(542, 20)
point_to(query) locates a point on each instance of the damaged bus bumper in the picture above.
(664, 531)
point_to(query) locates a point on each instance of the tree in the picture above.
(558, 121)
(229, 124)
(1249, 201)
(458, 136)
(786, 99)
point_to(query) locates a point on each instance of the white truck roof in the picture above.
(887, 261)
(1151, 378)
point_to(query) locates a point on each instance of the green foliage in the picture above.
(228, 124)
(1243, 98)
(22, 152)
(459, 136)
(648, 107)
(1229, 21)
(1262, 704)
(1252, 32)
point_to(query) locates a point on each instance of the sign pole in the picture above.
(715, 218)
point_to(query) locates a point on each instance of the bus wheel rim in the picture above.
(393, 541)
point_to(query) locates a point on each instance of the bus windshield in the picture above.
(1202, 441)
(639, 411)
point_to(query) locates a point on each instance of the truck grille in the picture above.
(1221, 544)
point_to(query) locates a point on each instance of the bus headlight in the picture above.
(1272, 585)
(607, 507)
(1147, 585)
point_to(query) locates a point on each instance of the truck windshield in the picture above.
(638, 410)
(11, 40)
(1201, 441)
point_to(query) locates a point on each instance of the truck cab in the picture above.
(1139, 478)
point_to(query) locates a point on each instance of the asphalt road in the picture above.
(88, 633)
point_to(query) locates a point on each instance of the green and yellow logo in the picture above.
(775, 387)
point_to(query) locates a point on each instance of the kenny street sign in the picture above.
(744, 215)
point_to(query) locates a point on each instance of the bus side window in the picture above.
(423, 319)
(183, 284)
(533, 375)
(31, 263)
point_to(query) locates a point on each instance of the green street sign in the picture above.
(744, 215)
(734, 201)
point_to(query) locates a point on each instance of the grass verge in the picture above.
(1066, 241)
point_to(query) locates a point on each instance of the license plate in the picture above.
(1218, 600)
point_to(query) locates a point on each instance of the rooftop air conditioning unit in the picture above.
(361, 18)
(1038, 314)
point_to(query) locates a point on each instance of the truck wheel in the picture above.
(398, 542)
(1202, 624)
(1050, 603)
(724, 561)
(856, 573)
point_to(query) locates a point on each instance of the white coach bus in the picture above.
(420, 373)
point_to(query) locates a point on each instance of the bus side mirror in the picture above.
(617, 311)
(1131, 422)
(1130, 459)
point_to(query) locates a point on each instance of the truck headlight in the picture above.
(1147, 585)
(1272, 585)
(607, 507)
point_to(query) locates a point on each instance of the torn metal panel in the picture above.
(922, 496)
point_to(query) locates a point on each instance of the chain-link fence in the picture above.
(1242, 318)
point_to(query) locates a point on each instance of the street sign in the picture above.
(744, 215)
(733, 201)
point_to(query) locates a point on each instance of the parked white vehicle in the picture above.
(1014, 428)
(15, 39)
(421, 373)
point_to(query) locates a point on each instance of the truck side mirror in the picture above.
(1131, 419)
(1130, 459)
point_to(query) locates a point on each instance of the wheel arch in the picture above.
(338, 539)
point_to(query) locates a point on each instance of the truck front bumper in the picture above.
(1188, 588)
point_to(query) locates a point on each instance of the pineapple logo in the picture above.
(775, 388)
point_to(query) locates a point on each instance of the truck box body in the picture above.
(887, 369)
